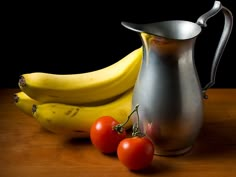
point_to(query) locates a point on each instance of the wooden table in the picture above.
(27, 150)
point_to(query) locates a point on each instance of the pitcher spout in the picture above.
(173, 29)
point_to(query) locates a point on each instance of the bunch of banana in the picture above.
(68, 104)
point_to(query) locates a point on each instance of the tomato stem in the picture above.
(120, 127)
(136, 129)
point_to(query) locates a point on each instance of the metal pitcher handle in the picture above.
(228, 24)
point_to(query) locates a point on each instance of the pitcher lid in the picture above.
(172, 29)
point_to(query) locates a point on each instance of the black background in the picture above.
(67, 38)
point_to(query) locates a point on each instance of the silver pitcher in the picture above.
(167, 89)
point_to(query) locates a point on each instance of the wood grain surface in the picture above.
(27, 150)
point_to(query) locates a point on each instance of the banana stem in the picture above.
(120, 127)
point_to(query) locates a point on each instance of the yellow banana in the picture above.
(82, 88)
(24, 102)
(76, 120)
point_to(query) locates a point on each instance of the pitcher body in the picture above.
(169, 95)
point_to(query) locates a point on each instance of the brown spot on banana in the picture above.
(49, 121)
(75, 113)
(69, 111)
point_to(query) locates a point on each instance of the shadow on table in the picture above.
(158, 167)
(68, 141)
(216, 139)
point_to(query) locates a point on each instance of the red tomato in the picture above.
(103, 135)
(136, 153)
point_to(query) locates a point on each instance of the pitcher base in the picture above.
(173, 153)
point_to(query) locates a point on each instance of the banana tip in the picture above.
(34, 108)
(22, 82)
(15, 98)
